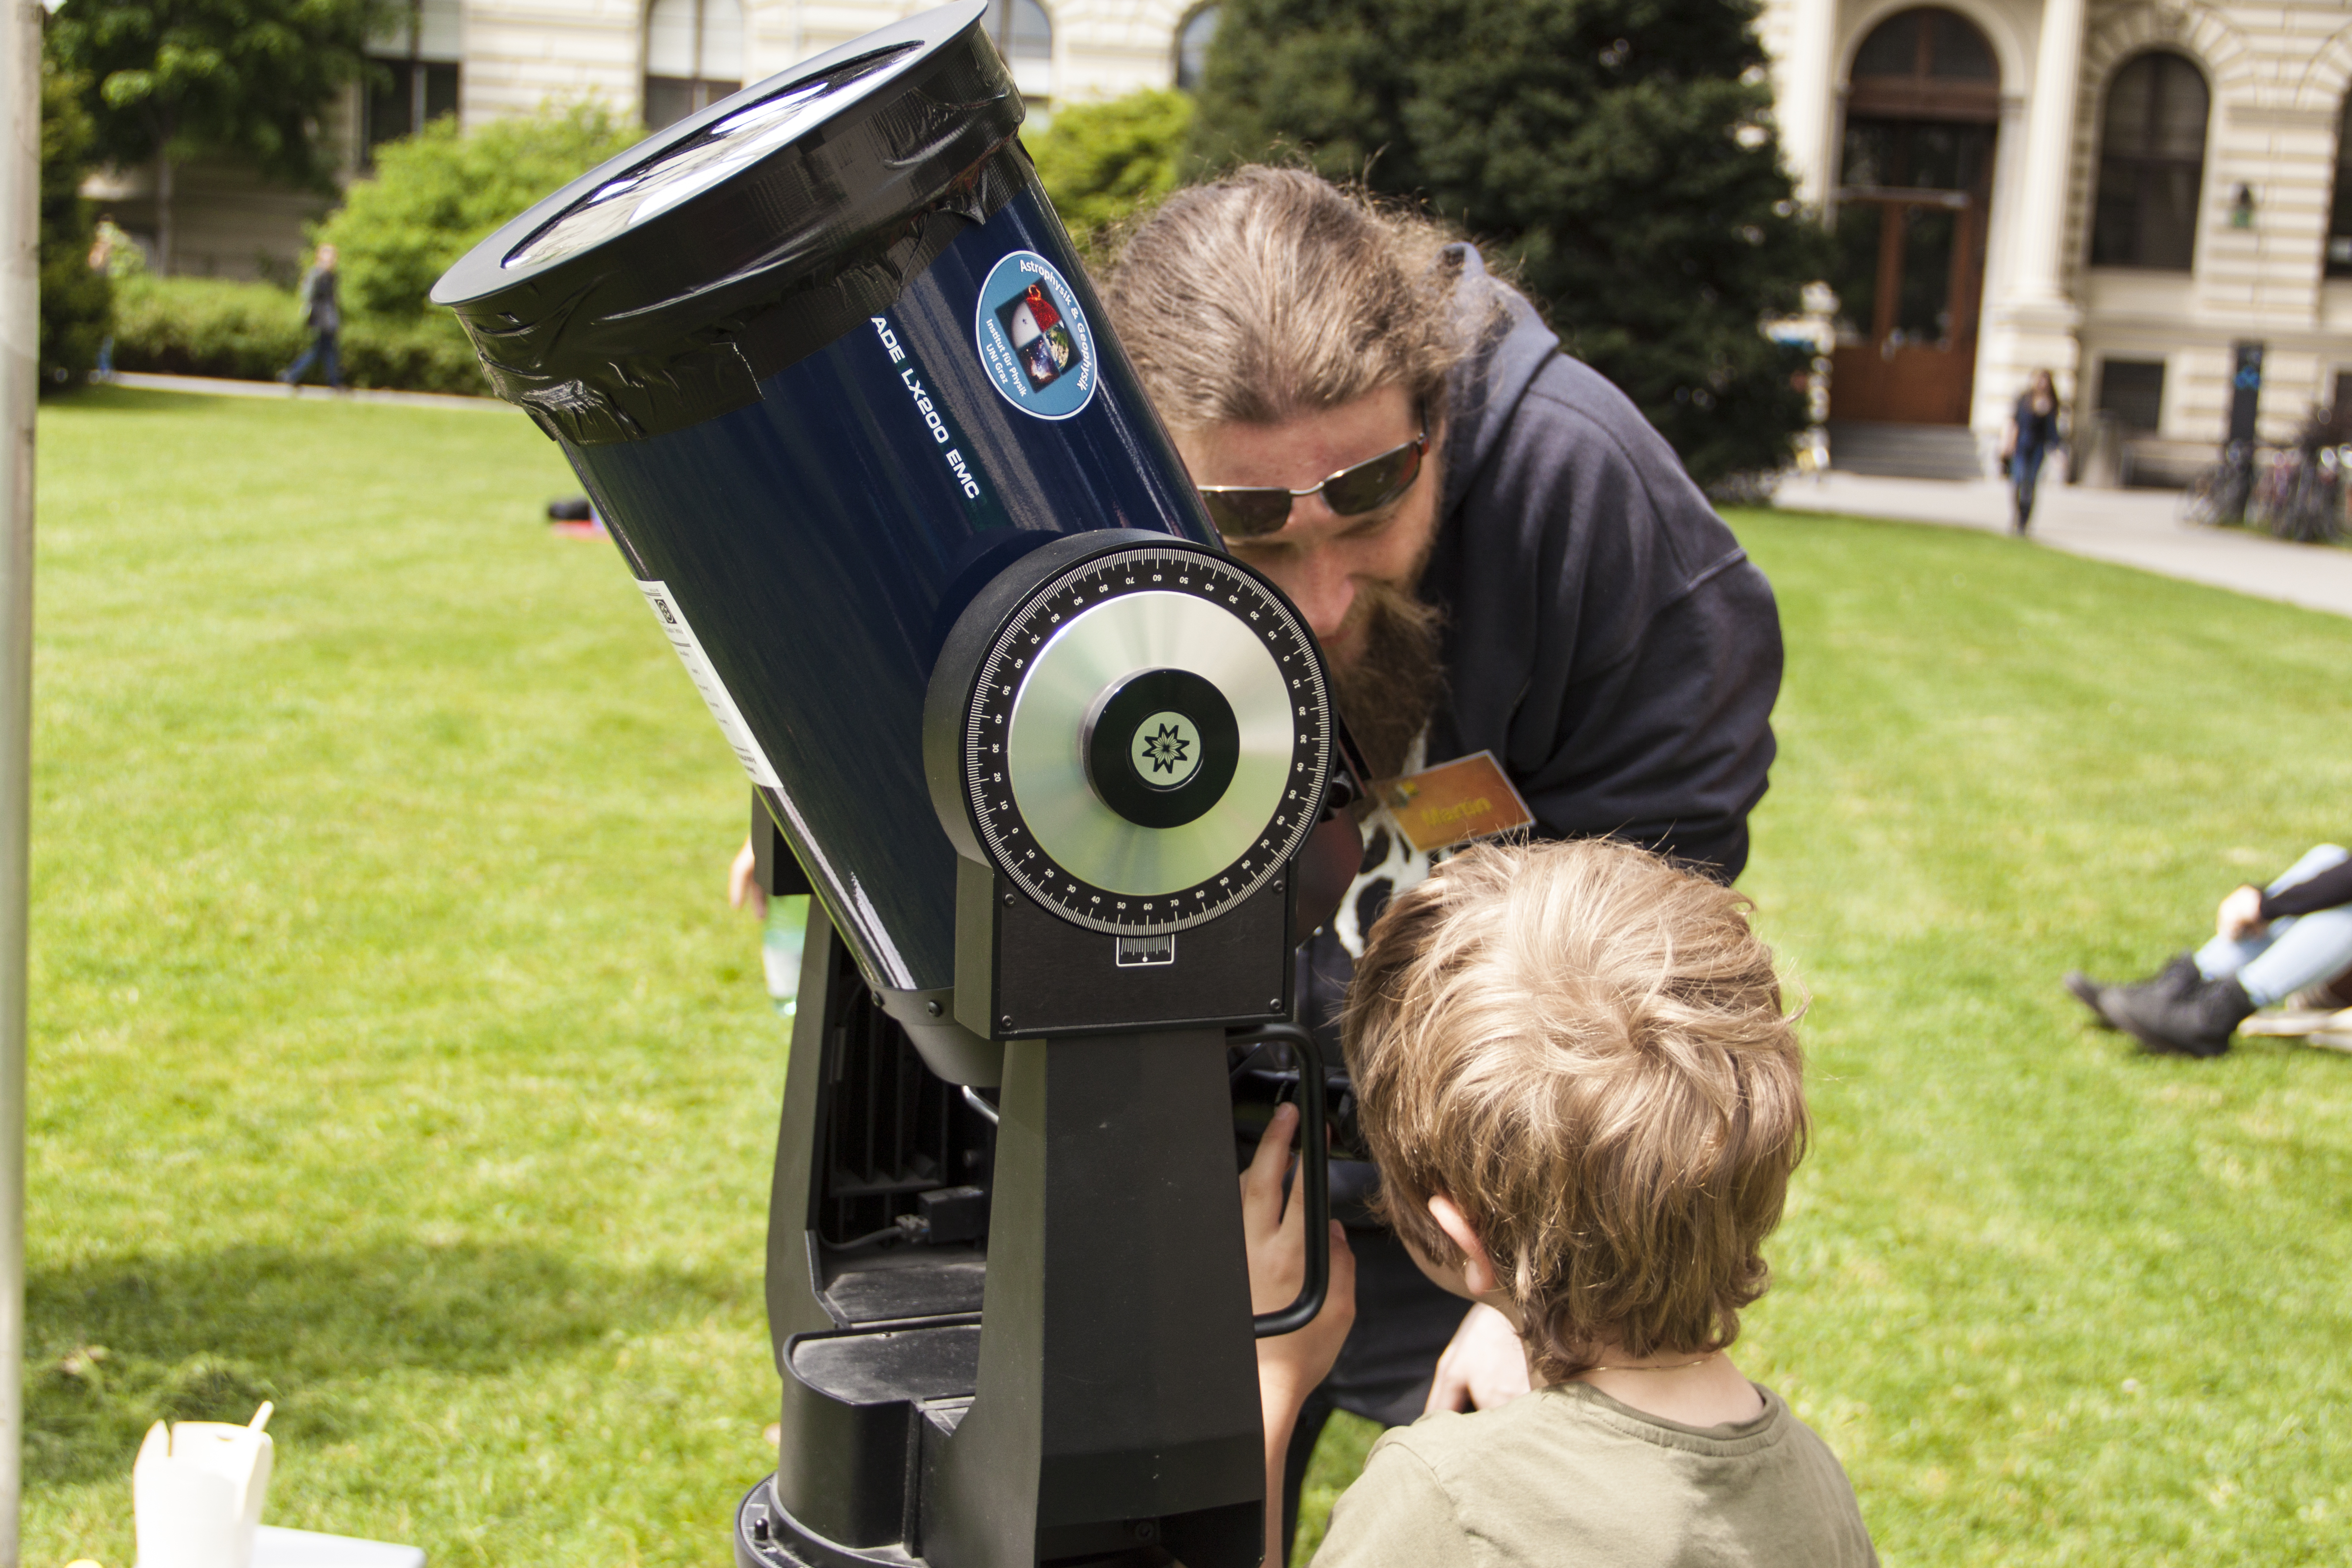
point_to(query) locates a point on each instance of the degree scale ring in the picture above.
(1025, 737)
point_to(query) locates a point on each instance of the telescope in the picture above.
(1065, 779)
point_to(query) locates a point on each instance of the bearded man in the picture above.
(1497, 554)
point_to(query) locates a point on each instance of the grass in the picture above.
(394, 1055)
(395, 1058)
(2051, 1301)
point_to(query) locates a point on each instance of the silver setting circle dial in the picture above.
(1130, 638)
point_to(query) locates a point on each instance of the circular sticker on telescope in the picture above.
(1034, 340)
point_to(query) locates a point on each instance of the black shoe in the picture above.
(2173, 978)
(2086, 990)
(2197, 1021)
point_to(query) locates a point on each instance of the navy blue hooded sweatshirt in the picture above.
(1609, 640)
(1606, 637)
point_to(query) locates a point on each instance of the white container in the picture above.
(196, 1493)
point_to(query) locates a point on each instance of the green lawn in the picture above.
(2052, 1301)
(395, 1058)
(395, 1052)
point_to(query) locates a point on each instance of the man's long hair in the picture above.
(1273, 292)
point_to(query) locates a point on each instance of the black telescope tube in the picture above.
(1314, 1173)
(826, 361)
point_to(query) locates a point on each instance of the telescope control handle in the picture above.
(1314, 1173)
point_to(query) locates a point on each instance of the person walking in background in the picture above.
(324, 316)
(2268, 943)
(2032, 432)
(115, 255)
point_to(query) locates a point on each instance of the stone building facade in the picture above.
(2181, 193)
(2182, 196)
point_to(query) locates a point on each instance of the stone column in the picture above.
(1806, 130)
(2049, 155)
(2032, 325)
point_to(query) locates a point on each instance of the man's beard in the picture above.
(1387, 695)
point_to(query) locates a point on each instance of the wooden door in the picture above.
(1912, 286)
(1914, 186)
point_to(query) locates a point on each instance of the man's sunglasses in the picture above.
(1244, 511)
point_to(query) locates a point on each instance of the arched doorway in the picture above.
(1915, 191)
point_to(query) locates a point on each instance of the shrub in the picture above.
(250, 331)
(432, 354)
(436, 194)
(206, 326)
(76, 303)
(1101, 162)
(432, 197)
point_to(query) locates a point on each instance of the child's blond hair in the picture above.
(1585, 1048)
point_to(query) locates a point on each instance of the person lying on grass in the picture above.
(2269, 944)
(1575, 1075)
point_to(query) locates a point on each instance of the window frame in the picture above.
(2339, 206)
(1176, 48)
(701, 91)
(2146, 170)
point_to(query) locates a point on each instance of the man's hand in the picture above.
(743, 882)
(1288, 1365)
(2240, 914)
(1485, 1364)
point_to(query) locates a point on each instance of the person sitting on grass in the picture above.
(2268, 944)
(1575, 1075)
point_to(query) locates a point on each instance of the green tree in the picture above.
(173, 79)
(1619, 154)
(1101, 162)
(77, 300)
(436, 194)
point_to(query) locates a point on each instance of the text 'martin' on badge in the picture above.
(1453, 803)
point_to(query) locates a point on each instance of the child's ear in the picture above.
(1478, 1273)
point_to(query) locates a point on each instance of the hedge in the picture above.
(250, 331)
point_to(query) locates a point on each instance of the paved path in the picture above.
(2133, 528)
(220, 387)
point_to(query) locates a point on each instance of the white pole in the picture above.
(20, 183)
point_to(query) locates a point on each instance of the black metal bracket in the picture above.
(1314, 1176)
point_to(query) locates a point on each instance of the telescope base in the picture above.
(768, 1537)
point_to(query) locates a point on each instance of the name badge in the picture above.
(1452, 803)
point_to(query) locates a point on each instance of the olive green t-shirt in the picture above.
(1566, 1475)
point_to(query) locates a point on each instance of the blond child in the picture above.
(1585, 1097)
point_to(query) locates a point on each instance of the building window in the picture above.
(1927, 64)
(2339, 222)
(1023, 35)
(1192, 48)
(409, 95)
(694, 56)
(2151, 165)
(2133, 390)
(415, 80)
